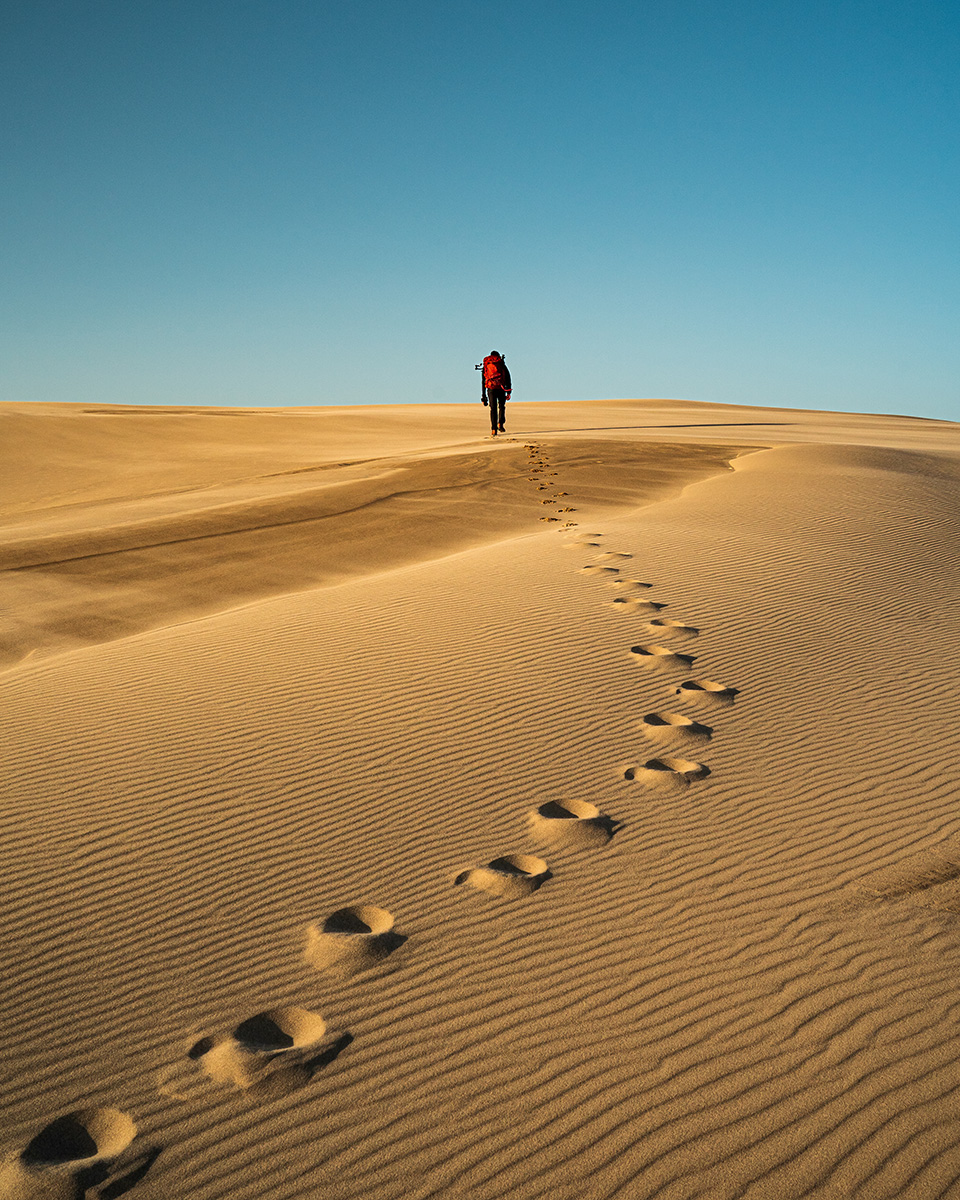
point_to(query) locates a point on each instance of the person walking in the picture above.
(496, 387)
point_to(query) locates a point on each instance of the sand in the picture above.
(393, 812)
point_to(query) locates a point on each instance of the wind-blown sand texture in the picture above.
(669, 689)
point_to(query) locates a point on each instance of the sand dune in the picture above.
(272, 506)
(374, 829)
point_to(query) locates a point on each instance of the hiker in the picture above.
(495, 389)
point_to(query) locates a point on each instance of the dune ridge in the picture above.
(747, 990)
(92, 565)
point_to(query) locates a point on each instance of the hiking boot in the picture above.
(493, 433)
(501, 428)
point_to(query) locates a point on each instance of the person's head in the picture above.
(494, 353)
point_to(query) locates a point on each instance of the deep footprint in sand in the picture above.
(352, 939)
(671, 726)
(676, 629)
(572, 822)
(636, 604)
(271, 1053)
(55, 1162)
(708, 690)
(660, 657)
(667, 772)
(509, 877)
(612, 556)
(593, 569)
(630, 585)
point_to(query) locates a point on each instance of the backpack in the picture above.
(492, 373)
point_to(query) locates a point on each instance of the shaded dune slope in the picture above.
(749, 990)
(87, 567)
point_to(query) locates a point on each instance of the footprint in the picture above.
(664, 726)
(667, 772)
(708, 690)
(579, 545)
(574, 822)
(352, 939)
(636, 604)
(279, 1029)
(595, 570)
(69, 1155)
(511, 876)
(660, 656)
(675, 629)
(612, 556)
(280, 1041)
(631, 585)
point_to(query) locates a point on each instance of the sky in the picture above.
(290, 202)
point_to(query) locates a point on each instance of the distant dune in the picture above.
(390, 811)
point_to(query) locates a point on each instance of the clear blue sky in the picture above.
(278, 202)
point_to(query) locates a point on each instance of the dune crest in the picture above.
(233, 506)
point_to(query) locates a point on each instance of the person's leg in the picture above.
(492, 405)
(502, 416)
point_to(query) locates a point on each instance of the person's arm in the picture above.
(507, 385)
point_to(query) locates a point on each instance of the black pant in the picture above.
(497, 399)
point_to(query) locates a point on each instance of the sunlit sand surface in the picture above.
(389, 811)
